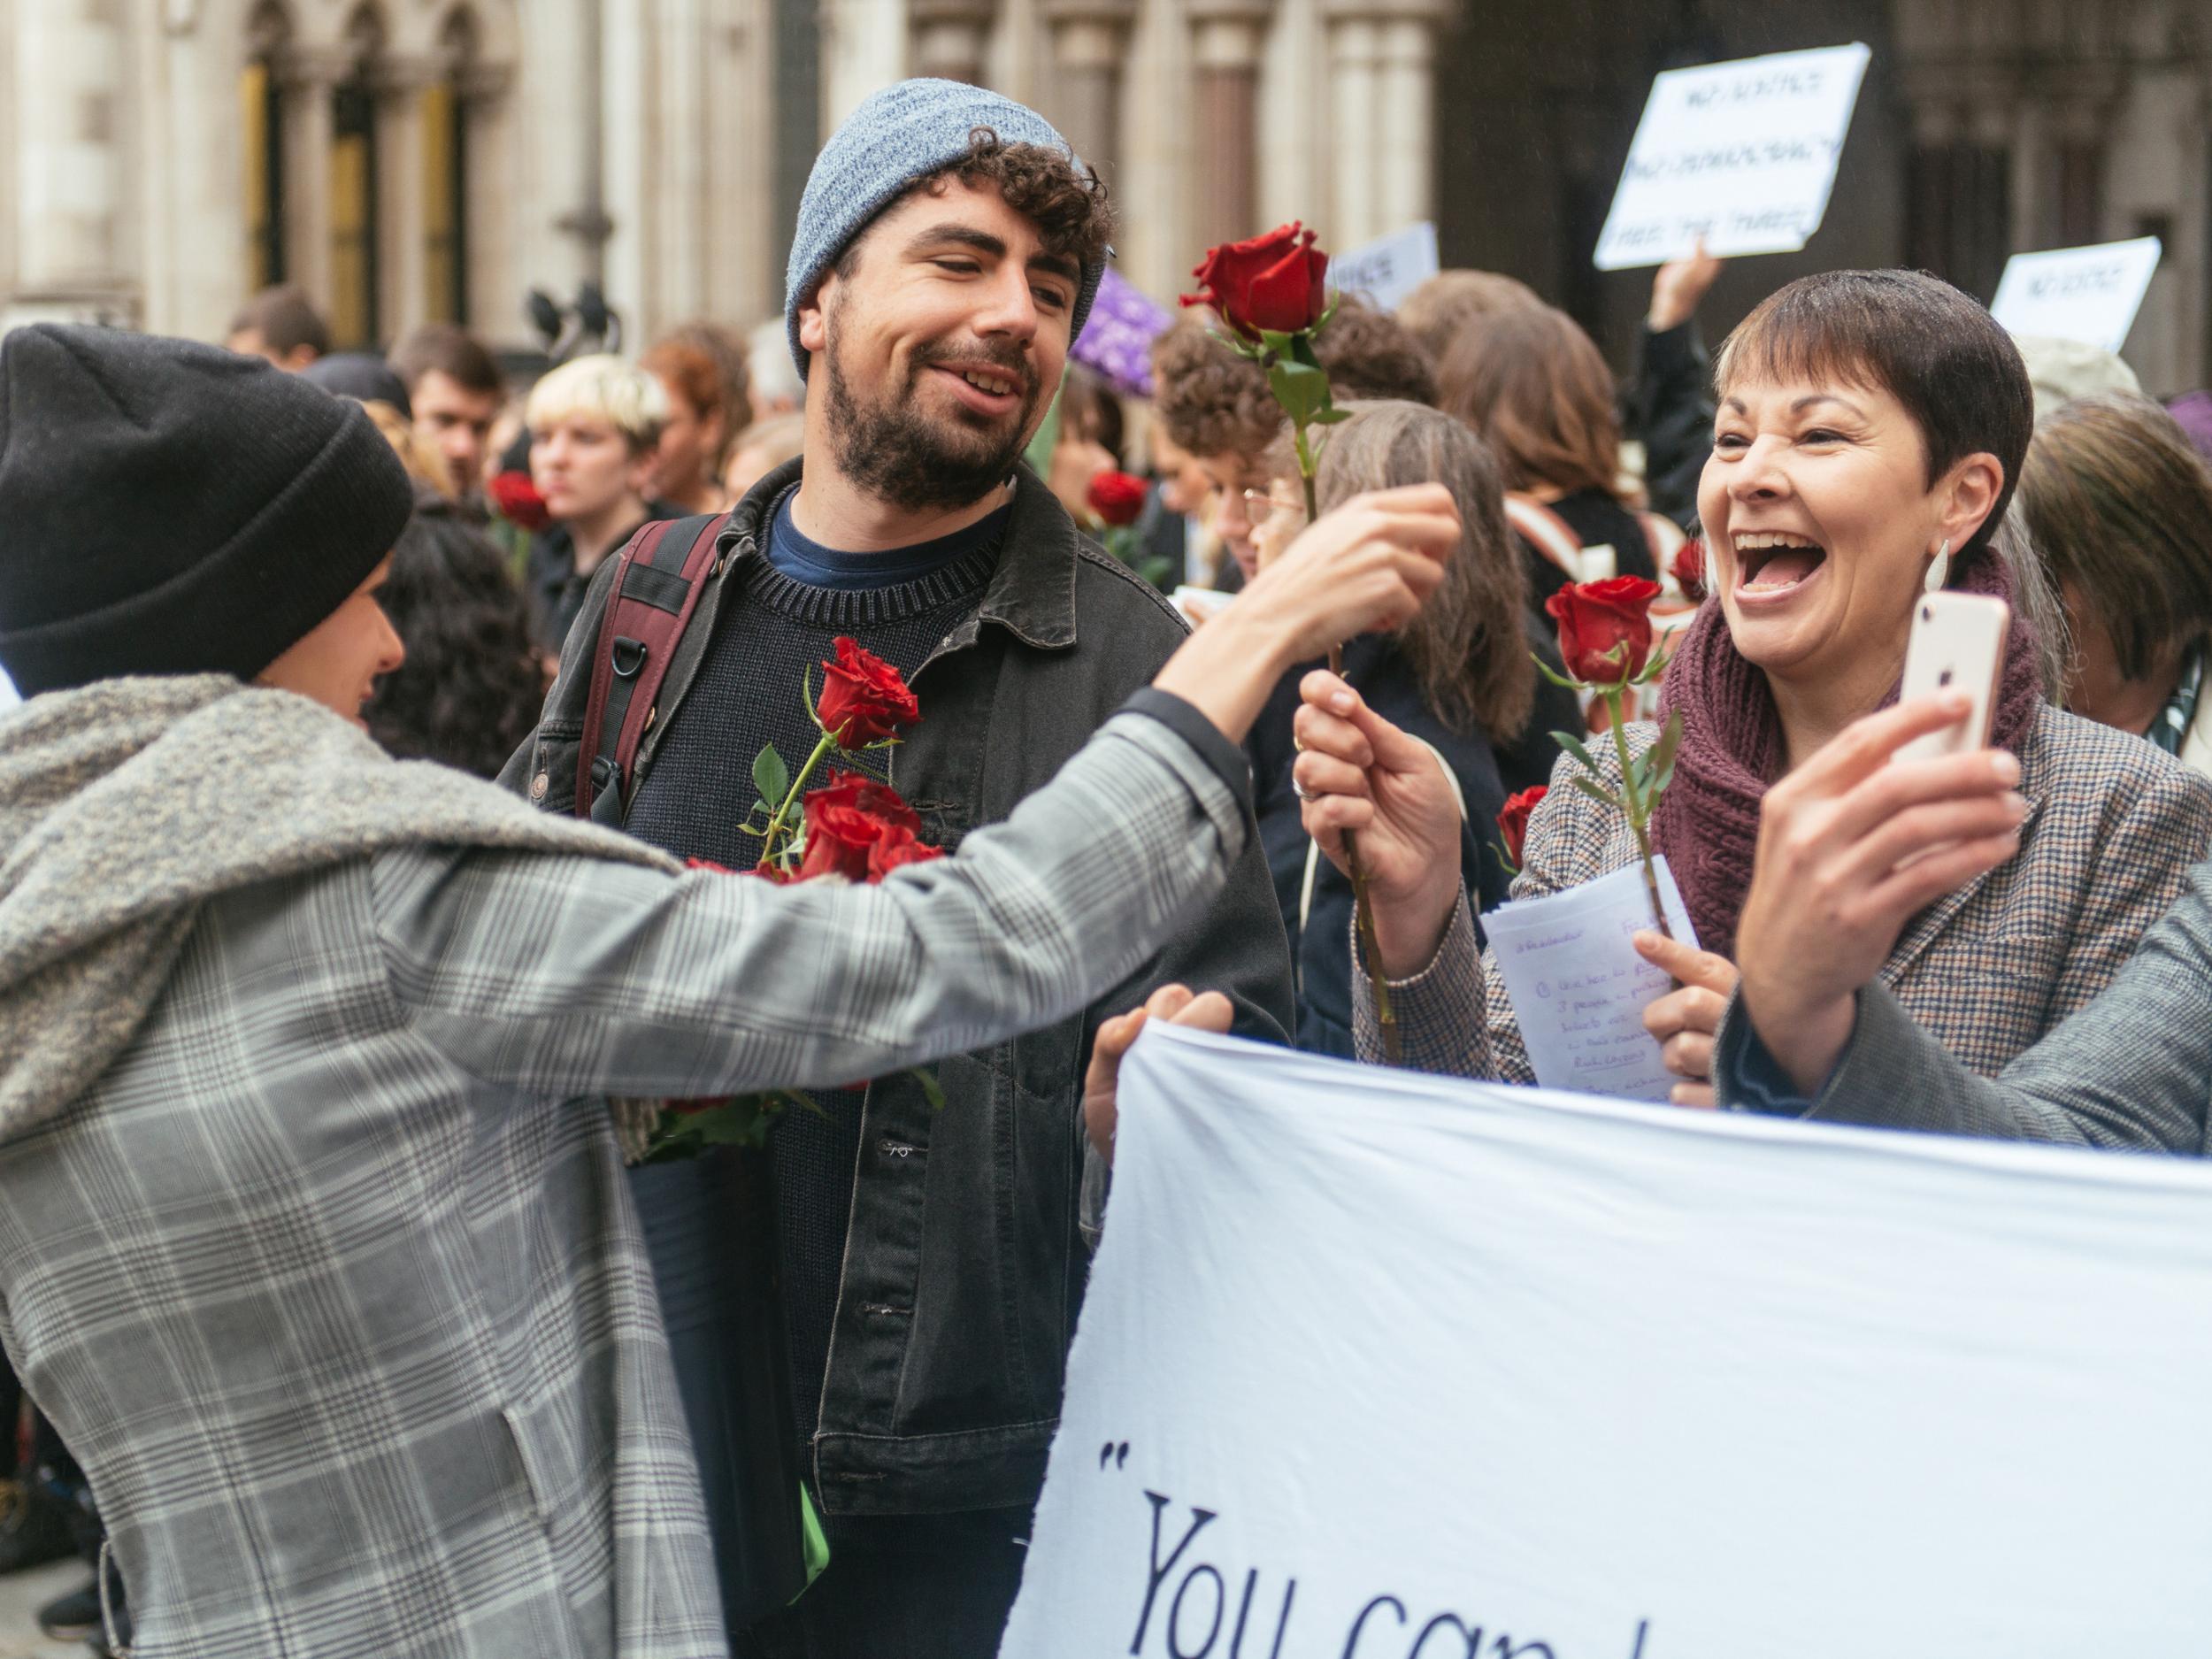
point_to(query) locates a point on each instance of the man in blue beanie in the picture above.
(930, 1261)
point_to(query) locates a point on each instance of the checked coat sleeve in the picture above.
(573, 975)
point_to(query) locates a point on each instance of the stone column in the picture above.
(309, 77)
(1090, 40)
(403, 267)
(68, 111)
(950, 37)
(1382, 95)
(486, 108)
(1226, 40)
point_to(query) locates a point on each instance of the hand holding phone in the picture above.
(1957, 644)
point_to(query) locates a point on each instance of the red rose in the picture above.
(845, 818)
(709, 864)
(1274, 282)
(1689, 570)
(516, 499)
(1604, 627)
(1116, 498)
(1513, 821)
(896, 847)
(865, 700)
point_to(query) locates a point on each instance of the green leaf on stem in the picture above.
(1597, 792)
(1301, 390)
(770, 776)
(1573, 745)
(932, 1091)
(1330, 416)
(800, 1098)
(1556, 679)
(1659, 771)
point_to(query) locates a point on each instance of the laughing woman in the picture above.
(1870, 430)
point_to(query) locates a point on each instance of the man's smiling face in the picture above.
(942, 335)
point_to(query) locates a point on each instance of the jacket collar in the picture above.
(1031, 592)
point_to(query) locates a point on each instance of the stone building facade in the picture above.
(408, 159)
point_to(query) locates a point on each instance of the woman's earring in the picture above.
(1939, 568)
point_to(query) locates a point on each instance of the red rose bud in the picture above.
(1689, 570)
(1278, 282)
(516, 499)
(1513, 821)
(865, 700)
(895, 849)
(1604, 627)
(1116, 498)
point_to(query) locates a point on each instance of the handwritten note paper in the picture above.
(1578, 988)
(2087, 294)
(1742, 154)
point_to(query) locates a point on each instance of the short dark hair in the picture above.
(2119, 504)
(1936, 350)
(285, 319)
(1066, 200)
(1536, 387)
(449, 350)
(1213, 402)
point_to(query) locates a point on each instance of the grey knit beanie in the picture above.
(905, 132)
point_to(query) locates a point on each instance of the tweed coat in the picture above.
(2113, 826)
(338, 1295)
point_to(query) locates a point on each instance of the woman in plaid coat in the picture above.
(1870, 426)
(315, 1243)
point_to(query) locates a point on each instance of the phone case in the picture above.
(1957, 642)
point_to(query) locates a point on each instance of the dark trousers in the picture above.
(905, 1587)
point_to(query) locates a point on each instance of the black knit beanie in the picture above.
(169, 508)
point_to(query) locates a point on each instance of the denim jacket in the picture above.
(965, 1260)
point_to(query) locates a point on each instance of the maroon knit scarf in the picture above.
(1707, 820)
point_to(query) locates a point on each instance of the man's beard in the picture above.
(889, 449)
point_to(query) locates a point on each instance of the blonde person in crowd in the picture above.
(1870, 430)
(2119, 505)
(595, 429)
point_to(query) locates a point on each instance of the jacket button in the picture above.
(539, 785)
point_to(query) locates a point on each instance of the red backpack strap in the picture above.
(658, 586)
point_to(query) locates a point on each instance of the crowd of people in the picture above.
(392, 727)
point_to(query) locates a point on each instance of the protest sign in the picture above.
(1387, 270)
(1375, 1365)
(2089, 295)
(1742, 154)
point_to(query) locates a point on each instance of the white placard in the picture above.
(1743, 154)
(8, 699)
(1370, 1362)
(2086, 294)
(1579, 988)
(1387, 270)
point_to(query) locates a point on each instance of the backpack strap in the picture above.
(1556, 539)
(662, 573)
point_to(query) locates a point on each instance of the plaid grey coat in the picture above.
(2113, 827)
(338, 1295)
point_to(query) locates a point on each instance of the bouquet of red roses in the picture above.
(855, 827)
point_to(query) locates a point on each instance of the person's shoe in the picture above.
(33, 1529)
(72, 1618)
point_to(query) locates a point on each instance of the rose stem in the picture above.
(1363, 918)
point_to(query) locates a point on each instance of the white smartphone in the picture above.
(1957, 643)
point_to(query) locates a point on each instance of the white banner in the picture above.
(1381, 1366)
(2086, 294)
(1743, 154)
(1387, 270)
